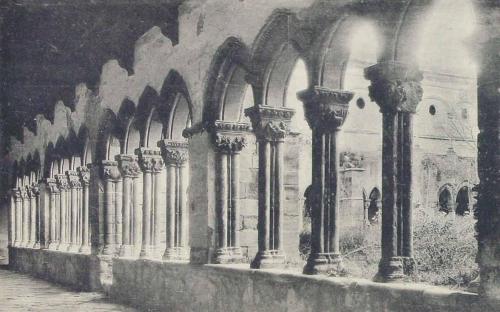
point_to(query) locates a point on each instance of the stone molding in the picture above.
(84, 174)
(395, 86)
(128, 165)
(110, 170)
(62, 181)
(229, 137)
(174, 152)
(270, 123)
(325, 109)
(150, 159)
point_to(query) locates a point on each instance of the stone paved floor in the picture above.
(20, 292)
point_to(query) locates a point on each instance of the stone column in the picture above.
(325, 111)
(63, 185)
(18, 215)
(270, 125)
(488, 200)
(25, 194)
(75, 187)
(395, 87)
(175, 155)
(111, 174)
(129, 169)
(150, 161)
(136, 215)
(158, 205)
(53, 192)
(228, 140)
(84, 174)
(12, 218)
(35, 216)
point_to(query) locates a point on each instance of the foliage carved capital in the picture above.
(270, 123)
(325, 109)
(174, 152)
(395, 86)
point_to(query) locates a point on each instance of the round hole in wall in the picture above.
(432, 110)
(360, 102)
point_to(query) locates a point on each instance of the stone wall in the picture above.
(160, 286)
(76, 271)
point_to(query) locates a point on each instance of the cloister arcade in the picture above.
(207, 168)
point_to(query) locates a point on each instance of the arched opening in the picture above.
(445, 201)
(374, 206)
(462, 202)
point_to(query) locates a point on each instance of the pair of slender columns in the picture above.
(325, 111)
(34, 238)
(151, 163)
(25, 219)
(131, 216)
(271, 125)
(175, 156)
(396, 88)
(63, 211)
(84, 175)
(229, 140)
(74, 216)
(54, 193)
(113, 189)
(17, 206)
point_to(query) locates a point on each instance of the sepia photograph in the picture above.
(250, 155)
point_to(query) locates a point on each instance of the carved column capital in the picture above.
(229, 137)
(28, 192)
(74, 179)
(128, 165)
(150, 159)
(174, 152)
(110, 170)
(395, 86)
(84, 174)
(325, 109)
(270, 123)
(35, 190)
(16, 193)
(62, 181)
(52, 185)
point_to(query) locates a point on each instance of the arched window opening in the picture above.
(375, 206)
(462, 203)
(445, 201)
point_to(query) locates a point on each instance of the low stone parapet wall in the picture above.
(77, 271)
(161, 286)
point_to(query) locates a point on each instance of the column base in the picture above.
(73, 248)
(228, 255)
(324, 263)
(85, 249)
(37, 245)
(53, 245)
(390, 270)
(268, 259)
(109, 250)
(15, 244)
(176, 254)
(126, 251)
(63, 247)
(147, 252)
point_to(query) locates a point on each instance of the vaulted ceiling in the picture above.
(50, 46)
